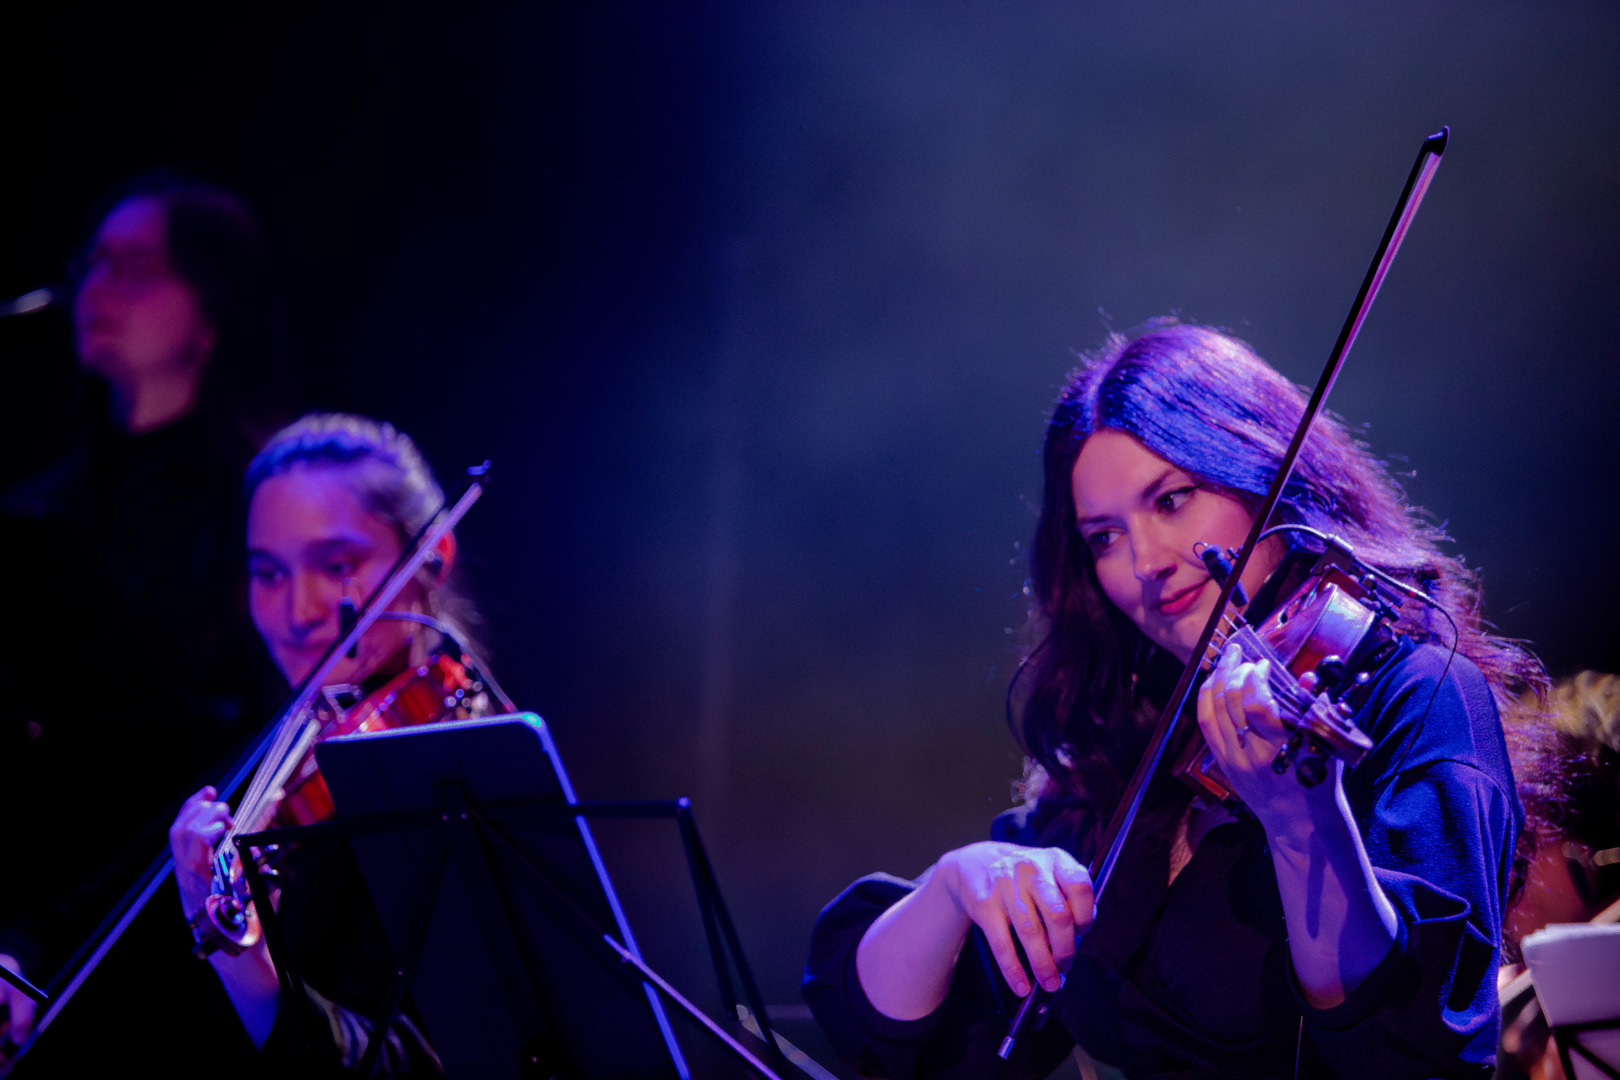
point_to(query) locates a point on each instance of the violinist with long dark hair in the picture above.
(1350, 928)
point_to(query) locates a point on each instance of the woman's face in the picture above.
(134, 318)
(310, 541)
(1140, 517)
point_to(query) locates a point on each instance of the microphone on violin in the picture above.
(1220, 568)
(348, 616)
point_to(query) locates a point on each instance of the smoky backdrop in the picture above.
(758, 309)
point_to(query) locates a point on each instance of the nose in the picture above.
(1153, 558)
(307, 604)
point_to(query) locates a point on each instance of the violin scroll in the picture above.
(225, 923)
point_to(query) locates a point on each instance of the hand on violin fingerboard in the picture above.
(1240, 721)
(196, 831)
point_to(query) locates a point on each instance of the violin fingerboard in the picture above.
(1292, 699)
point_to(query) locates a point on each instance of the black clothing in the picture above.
(1195, 979)
(341, 950)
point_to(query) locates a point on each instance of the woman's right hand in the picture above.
(1038, 897)
(1041, 895)
(196, 831)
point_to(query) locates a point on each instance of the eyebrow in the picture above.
(321, 547)
(1148, 491)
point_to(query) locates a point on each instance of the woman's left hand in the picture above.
(1240, 721)
(198, 827)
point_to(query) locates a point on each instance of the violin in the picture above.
(1324, 643)
(437, 691)
(441, 689)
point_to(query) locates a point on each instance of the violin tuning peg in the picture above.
(1360, 679)
(1279, 764)
(1331, 673)
(1311, 770)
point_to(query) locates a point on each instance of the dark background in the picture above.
(758, 309)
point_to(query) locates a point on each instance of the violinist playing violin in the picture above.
(333, 500)
(1343, 928)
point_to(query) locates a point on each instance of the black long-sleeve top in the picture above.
(1193, 978)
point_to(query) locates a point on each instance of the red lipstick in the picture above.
(1183, 600)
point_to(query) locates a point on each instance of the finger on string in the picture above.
(1222, 713)
(1221, 719)
(1265, 716)
(1208, 722)
(1235, 687)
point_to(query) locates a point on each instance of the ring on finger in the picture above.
(1242, 734)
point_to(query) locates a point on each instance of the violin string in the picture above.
(253, 799)
(294, 742)
(1279, 678)
(278, 750)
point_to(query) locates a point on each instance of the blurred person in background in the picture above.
(1568, 765)
(130, 667)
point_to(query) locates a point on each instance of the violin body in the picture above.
(1323, 641)
(439, 690)
(436, 691)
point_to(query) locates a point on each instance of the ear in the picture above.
(445, 550)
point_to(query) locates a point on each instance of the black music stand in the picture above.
(1572, 1048)
(498, 908)
(1575, 975)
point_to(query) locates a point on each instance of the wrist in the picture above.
(1319, 804)
(192, 897)
(940, 888)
